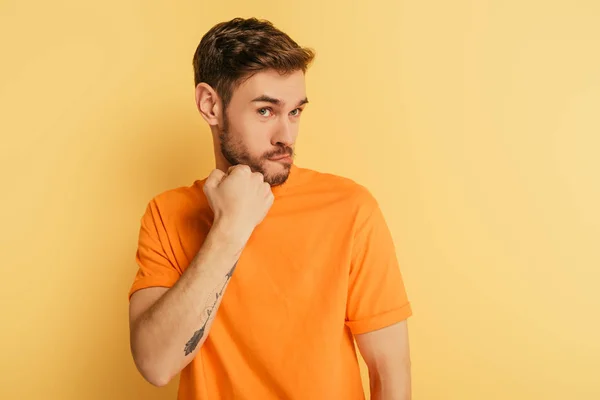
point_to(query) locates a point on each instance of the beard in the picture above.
(235, 152)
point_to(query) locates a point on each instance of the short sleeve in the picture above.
(376, 294)
(155, 267)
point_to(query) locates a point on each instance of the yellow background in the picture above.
(475, 123)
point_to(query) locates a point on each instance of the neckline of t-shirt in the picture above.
(278, 190)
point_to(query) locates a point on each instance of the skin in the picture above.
(261, 122)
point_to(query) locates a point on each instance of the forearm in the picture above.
(168, 335)
(385, 386)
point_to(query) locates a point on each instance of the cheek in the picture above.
(256, 135)
(257, 129)
(296, 127)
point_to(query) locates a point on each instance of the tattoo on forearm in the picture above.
(191, 345)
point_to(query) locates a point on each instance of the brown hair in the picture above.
(233, 51)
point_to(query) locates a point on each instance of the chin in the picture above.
(277, 175)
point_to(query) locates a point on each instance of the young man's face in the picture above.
(261, 123)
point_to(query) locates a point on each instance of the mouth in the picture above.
(282, 157)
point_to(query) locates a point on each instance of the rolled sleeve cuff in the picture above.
(153, 281)
(380, 321)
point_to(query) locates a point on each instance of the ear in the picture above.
(208, 103)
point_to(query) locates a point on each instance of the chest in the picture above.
(291, 262)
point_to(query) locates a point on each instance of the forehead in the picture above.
(289, 88)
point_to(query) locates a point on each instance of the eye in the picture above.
(265, 112)
(296, 112)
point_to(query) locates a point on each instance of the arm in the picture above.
(168, 326)
(386, 353)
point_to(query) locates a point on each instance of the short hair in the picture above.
(233, 51)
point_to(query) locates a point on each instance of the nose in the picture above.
(285, 134)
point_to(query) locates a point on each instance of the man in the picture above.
(254, 282)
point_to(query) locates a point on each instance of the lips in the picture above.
(280, 157)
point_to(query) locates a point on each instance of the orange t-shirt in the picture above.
(319, 268)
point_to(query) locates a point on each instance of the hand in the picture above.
(240, 198)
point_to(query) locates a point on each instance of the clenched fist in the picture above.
(239, 198)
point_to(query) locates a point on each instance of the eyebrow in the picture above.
(267, 99)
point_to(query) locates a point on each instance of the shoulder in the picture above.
(177, 202)
(346, 192)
